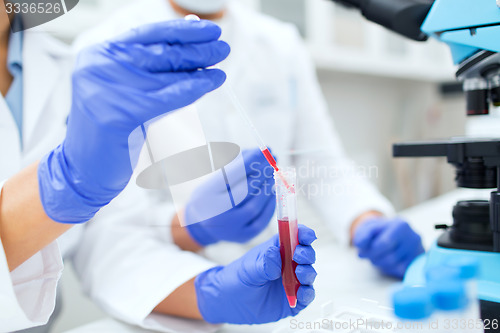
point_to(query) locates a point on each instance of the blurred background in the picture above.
(380, 89)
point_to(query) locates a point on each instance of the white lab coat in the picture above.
(128, 263)
(275, 80)
(27, 295)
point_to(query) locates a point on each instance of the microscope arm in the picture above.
(477, 163)
(404, 17)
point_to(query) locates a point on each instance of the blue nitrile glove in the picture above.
(248, 218)
(390, 244)
(117, 86)
(250, 291)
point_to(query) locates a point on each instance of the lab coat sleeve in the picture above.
(336, 187)
(28, 294)
(128, 264)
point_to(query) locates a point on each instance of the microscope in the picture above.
(471, 28)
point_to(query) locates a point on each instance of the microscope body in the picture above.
(475, 232)
(471, 29)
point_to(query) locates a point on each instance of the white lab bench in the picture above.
(343, 279)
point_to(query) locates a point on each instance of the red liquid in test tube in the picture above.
(286, 210)
(288, 241)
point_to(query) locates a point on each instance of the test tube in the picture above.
(288, 230)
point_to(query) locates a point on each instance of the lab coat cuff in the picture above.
(28, 294)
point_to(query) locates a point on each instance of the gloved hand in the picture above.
(390, 244)
(117, 86)
(245, 220)
(250, 290)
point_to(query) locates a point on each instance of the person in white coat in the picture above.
(63, 159)
(116, 87)
(274, 77)
(28, 292)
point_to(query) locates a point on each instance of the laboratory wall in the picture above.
(372, 112)
(380, 89)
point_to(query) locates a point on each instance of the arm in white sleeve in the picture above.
(336, 187)
(128, 265)
(28, 294)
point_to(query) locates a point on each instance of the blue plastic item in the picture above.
(117, 86)
(412, 303)
(250, 290)
(448, 295)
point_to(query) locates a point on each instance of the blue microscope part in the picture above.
(441, 274)
(486, 38)
(488, 281)
(415, 274)
(468, 267)
(448, 15)
(461, 52)
(446, 22)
